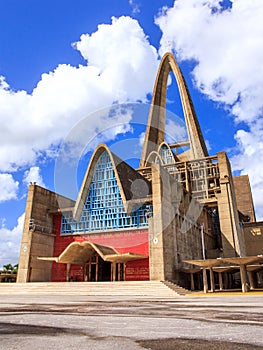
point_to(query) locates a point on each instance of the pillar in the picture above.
(212, 279)
(205, 281)
(221, 285)
(243, 276)
(251, 279)
(232, 234)
(113, 266)
(68, 272)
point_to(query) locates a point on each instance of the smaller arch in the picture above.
(152, 160)
(164, 145)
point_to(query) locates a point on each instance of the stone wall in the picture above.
(174, 235)
(253, 233)
(232, 235)
(244, 197)
(38, 237)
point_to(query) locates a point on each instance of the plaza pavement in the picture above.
(71, 321)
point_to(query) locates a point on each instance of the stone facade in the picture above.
(253, 233)
(38, 234)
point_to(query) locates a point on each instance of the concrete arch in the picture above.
(151, 159)
(155, 131)
(165, 144)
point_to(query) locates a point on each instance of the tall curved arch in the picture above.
(155, 130)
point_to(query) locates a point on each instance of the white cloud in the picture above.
(125, 60)
(175, 130)
(141, 138)
(10, 242)
(8, 187)
(121, 66)
(249, 161)
(33, 175)
(226, 45)
(135, 7)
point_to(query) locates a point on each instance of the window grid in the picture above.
(166, 155)
(104, 209)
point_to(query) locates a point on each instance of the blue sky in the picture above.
(61, 61)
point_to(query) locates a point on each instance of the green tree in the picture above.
(10, 268)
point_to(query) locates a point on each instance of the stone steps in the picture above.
(179, 290)
(127, 288)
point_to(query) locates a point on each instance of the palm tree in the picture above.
(10, 268)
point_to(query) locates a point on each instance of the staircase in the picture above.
(135, 289)
(179, 290)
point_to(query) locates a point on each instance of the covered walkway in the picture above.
(246, 266)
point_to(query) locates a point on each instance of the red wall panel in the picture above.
(134, 241)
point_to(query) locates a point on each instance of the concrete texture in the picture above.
(87, 322)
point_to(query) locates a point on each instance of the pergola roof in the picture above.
(224, 262)
(80, 252)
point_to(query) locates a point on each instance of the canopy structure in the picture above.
(80, 252)
(220, 265)
(207, 263)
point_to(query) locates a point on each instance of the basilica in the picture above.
(181, 216)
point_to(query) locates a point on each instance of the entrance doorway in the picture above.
(96, 270)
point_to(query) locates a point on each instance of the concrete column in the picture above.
(232, 234)
(251, 279)
(97, 271)
(68, 272)
(243, 276)
(113, 271)
(212, 279)
(205, 281)
(161, 234)
(192, 281)
(221, 285)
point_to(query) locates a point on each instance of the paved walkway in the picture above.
(108, 322)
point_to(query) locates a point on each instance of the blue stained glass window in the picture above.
(104, 209)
